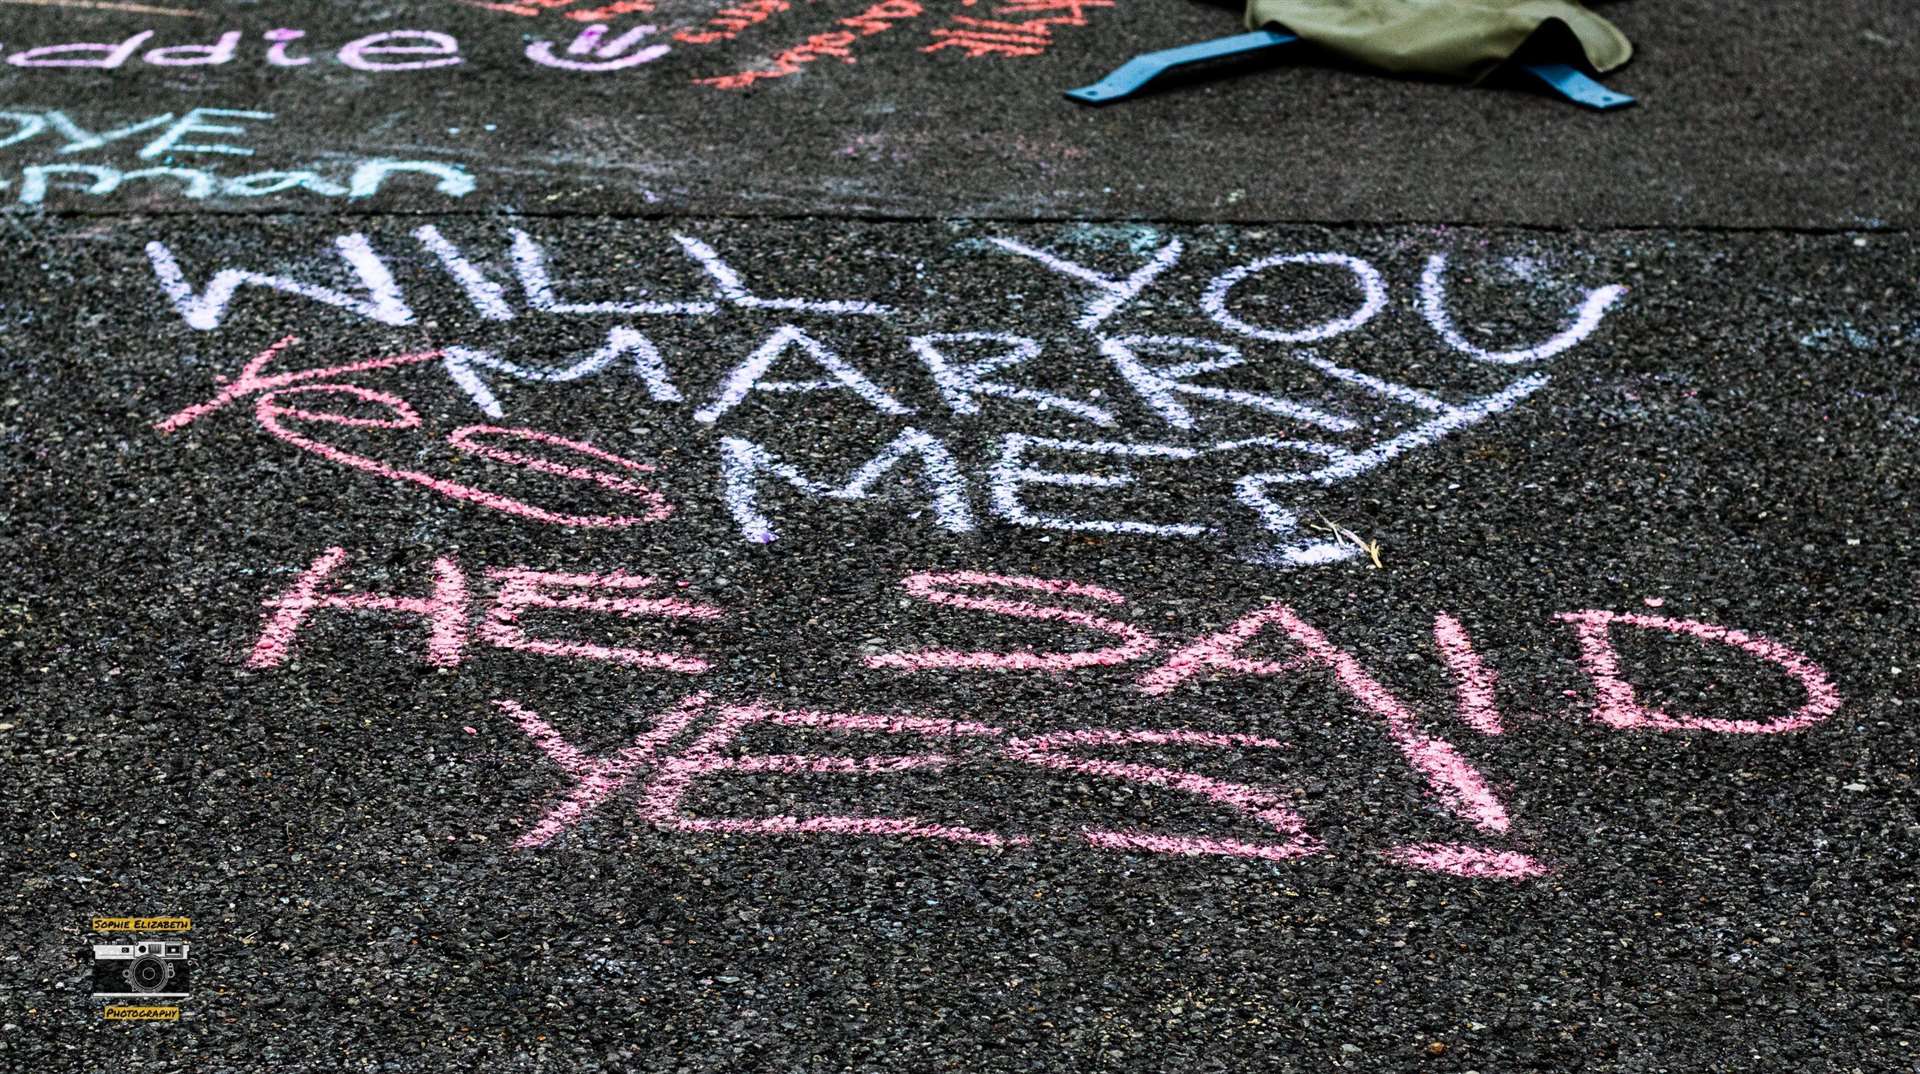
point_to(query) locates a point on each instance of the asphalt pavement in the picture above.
(762, 538)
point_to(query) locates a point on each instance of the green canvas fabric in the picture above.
(1457, 38)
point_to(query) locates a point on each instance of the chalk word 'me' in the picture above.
(1455, 784)
(199, 133)
(969, 369)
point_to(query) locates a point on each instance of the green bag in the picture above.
(1455, 38)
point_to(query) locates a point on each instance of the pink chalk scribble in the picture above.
(272, 416)
(524, 588)
(932, 587)
(1473, 680)
(445, 610)
(1048, 751)
(269, 412)
(1461, 859)
(1617, 706)
(594, 779)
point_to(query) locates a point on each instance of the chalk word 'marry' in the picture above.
(1319, 441)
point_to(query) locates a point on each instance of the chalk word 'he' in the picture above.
(1455, 784)
(199, 133)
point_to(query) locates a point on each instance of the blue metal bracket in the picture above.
(1130, 77)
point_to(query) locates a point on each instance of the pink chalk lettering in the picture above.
(933, 588)
(594, 779)
(1618, 707)
(1472, 862)
(1047, 751)
(109, 56)
(606, 57)
(196, 55)
(470, 438)
(356, 54)
(269, 412)
(277, 53)
(661, 803)
(1215, 653)
(445, 610)
(1450, 776)
(1473, 680)
(250, 381)
(522, 587)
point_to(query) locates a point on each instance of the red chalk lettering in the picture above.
(1075, 10)
(877, 19)
(613, 10)
(976, 44)
(445, 610)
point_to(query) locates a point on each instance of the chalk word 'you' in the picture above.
(1456, 787)
(591, 50)
(156, 145)
(968, 370)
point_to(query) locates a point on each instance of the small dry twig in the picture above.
(1347, 536)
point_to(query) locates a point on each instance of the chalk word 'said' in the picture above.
(1212, 656)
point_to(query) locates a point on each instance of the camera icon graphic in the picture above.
(144, 969)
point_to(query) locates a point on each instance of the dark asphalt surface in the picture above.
(1730, 442)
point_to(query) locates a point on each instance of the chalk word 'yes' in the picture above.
(1455, 784)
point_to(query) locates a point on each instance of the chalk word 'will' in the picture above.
(970, 370)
